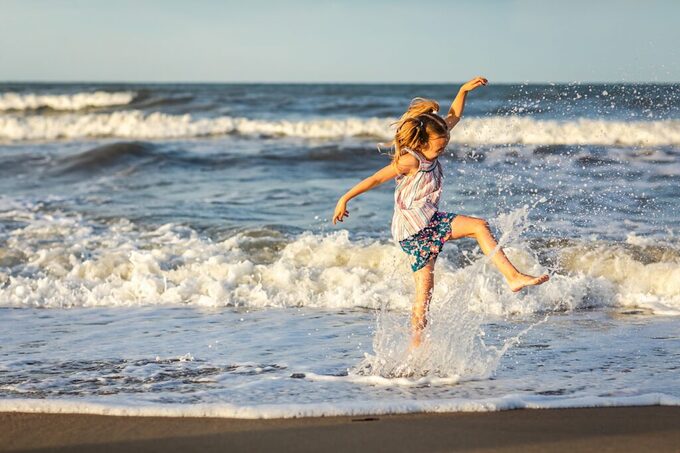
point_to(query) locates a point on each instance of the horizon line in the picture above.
(242, 82)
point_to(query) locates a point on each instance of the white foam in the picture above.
(345, 408)
(654, 286)
(499, 130)
(381, 381)
(136, 124)
(529, 131)
(76, 101)
(64, 260)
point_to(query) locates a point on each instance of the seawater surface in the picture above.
(167, 250)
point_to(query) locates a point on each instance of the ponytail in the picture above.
(414, 127)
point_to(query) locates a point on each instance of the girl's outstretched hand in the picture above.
(474, 83)
(340, 211)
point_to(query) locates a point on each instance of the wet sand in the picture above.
(652, 428)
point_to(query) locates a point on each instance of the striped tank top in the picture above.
(416, 198)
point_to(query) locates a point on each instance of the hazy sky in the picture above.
(339, 41)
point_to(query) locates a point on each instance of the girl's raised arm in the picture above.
(383, 175)
(458, 104)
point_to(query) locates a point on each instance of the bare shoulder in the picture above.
(408, 164)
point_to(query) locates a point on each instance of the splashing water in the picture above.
(454, 343)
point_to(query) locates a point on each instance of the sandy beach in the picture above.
(590, 429)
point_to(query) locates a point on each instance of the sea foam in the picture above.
(56, 259)
(66, 102)
(494, 130)
(348, 408)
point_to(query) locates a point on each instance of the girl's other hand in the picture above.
(340, 211)
(474, 83)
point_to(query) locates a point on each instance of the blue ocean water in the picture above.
(168, 249)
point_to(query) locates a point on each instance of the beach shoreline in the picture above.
(641, 428)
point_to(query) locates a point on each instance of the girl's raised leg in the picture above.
(424, 278)
(464, 226)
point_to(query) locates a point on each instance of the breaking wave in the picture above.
(66, 102)
(64, 260)
(496, 130)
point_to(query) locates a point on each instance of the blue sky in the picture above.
(339, 41)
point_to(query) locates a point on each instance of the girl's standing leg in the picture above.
(464, 226)
(424, 278)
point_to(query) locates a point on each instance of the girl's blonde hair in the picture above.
(415, 127)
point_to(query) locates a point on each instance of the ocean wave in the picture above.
(133, 156)
(496, 130)
(65, 102)
(347, 408)
(104, 157)
(54, 259)
(641, 277)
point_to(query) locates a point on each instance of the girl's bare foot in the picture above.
(523, 280)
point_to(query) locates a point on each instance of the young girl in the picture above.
(417, 225)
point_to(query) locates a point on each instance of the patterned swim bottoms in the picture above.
(428, 242)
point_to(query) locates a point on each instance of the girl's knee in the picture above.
(467, 226)
(480, 225)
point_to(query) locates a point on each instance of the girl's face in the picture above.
(436, 145)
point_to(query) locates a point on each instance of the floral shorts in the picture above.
(428, 242)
